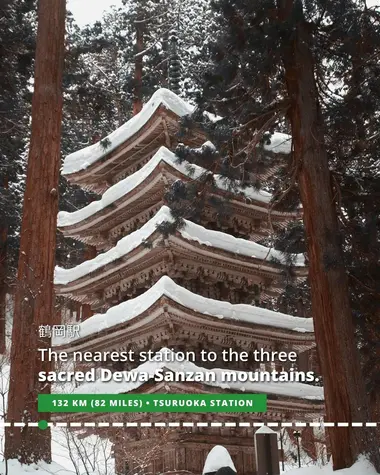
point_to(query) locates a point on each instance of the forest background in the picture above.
(100, 84)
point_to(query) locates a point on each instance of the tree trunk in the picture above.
(34, 299)
(345, 395)
(137, 101)
(3, 288)
(3, 276)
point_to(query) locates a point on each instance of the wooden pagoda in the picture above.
(205, 286)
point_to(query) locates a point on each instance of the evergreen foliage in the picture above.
(246, 85)
(17, 42)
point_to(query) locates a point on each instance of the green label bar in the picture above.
(152, 403)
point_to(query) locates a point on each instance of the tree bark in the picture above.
(34, 299)
(3, 276)
(137, 101)
(345, 395)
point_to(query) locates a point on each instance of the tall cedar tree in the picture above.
(269, 62)
(34, 294)
(353, 140)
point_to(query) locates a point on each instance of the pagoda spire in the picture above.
(174, 62)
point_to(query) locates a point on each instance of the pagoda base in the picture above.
(181, 449)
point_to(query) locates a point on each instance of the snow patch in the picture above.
(362, 467)
(278, 143)
(217, 458)
(265, 430)
(41, 468)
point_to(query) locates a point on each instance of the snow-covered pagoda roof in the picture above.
(177, 365)
(135, 196)
(124, 151)
(149, 312)
(190, 231)
(100, 165)
(143, 254)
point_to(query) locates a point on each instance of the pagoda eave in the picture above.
(175, 323)
(103, 228)
(178, 258)
(135, 152)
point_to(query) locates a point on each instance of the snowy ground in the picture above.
(362, 467)
(15, 468)
(71, 454)
(219, 457)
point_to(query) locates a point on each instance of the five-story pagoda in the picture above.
(202, 286)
